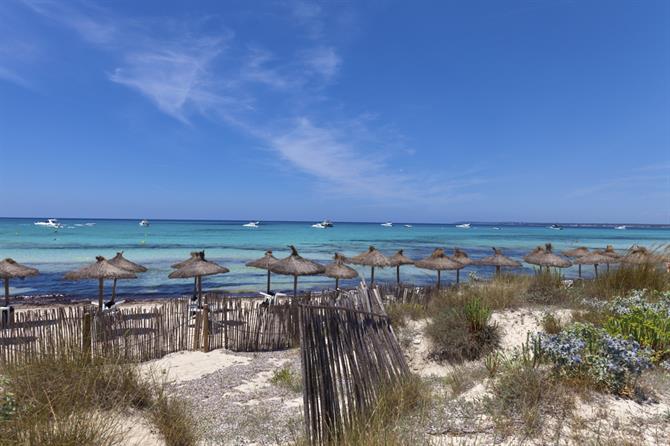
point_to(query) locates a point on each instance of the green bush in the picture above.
(286, 378)
(546, 287)
(399, 312)
(551, 324)
(625, 278)
(463, 332)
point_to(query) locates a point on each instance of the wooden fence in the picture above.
(144, 333)
(347, 356)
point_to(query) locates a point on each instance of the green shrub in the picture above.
(399, 312)
(546, 287)
(174, 420)
(286, 378)
(463, 332)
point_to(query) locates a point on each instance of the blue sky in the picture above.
(367, 111)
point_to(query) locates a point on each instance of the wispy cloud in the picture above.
(189, 73)
(11, 76)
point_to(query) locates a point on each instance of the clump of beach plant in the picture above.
(286, 378)
(174, 420)
(551, 324)
(589, 353)
(70, 400)
(625, 278)
(400, 312)
(463, 332)
(462, 379)
(525, 395)
(546, 287)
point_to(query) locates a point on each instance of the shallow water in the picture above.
(230, 244)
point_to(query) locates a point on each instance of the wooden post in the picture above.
(458, 276)
(580, 270)
(6, 291)
(372, 276)
(101, 303)
(397, 274)
(268, 281)
(86, 336)
(438, 279)
(205, 328)
(295, 287)
(596, 268)
(114, 291)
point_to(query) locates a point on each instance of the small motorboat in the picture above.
(495, 228)
(556, 227)
(388, 224)
(252, 224)
(622, 227)
(327, 223)
(464, 226)
(50, 223)
(319, 226)
(144, 223)
(408, 226)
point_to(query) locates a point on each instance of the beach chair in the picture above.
(271, 298)
(109, 307)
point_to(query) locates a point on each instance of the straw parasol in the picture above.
(101, 269)
(372, 258)
(498, 260)
(545, 257)
(610, 252)
(578, 252)
(9, 269)
(639, 255)
(595, 259)
(264, 262)
(294, 265)
(461, 257)
(338, 270)
(397, 260)
(121, 262)
(195, 255)
(198, 267)
(438, 261)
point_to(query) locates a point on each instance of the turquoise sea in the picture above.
(230, 244)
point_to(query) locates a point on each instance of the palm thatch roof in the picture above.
(576, 252)
(639, 255)
(295, 265)
(195, 255)
(438, 261)
(100, 269)
(399, 258)
(371, 257)
(338, 270)
(534, 256)
(609, 251)
(498, 259)
(264, 262)
(10, 269)
(462, 257)
(548, 258)
(197, 268)
(121, 262)
(594, 258)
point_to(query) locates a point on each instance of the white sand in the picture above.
(189, 365)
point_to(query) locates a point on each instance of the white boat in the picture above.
(144, 223)
(495, 228)
(464, 226)
(408, 226)
(252, 224)
(388, 224)
(319, 226)
(50, 223)
(327, 223)
(620, 227)
(556, 227)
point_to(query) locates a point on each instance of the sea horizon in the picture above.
(229, 243)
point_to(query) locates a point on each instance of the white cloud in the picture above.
(323, 61)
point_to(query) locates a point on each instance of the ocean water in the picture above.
(229, 243)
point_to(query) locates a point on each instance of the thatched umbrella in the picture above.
(534, 256)
(101, 269)
(121, 262)
(610, 252)
(461, 257)
(338, 270)
(547, 258)
(264, 262)
(438, 261)
(194, 257)
(577, 252)
(294, 265)
(372, 258)
(498, 260)
(639, 255)
(197, 268)
(397, 260)
(9, 269)
(595, 259)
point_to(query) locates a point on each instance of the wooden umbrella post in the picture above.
(295, 286)
(372, 275)
(458, 276)
(497, 270)
(438, 279)
(397, 274)
(114, 291)
(100, 295)
(596, 268)
(7, 291)
(337, 283)
(579, 268)
(199, 291)
(268, 291)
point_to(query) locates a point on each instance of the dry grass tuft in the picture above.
(286, 378)
(620, 280)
